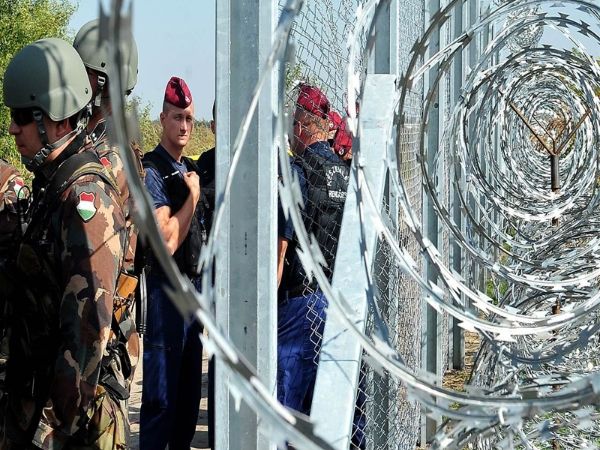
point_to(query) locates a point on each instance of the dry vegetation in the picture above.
(456, 379)
(202, 138)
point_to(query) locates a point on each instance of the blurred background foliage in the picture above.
(22, 22)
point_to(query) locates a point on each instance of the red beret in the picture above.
(311, 99)
(177, 93)
(335, 120)
(342, 142)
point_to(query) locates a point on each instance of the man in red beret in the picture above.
(323, 179)
(172, 348)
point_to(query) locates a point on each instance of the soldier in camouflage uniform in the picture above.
(95, 57)
(12, 206)
(64, 379)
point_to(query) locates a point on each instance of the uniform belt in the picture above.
(284, 295)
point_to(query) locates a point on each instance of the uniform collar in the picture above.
(322, 148)
(45, 173)
(163, 152)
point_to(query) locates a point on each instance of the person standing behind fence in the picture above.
(172, 369)
(65, 378)
(95, 56)
(323, 178)
(323, 174)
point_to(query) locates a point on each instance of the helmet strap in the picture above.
(39, 121)
(100, 85)
(33, 164)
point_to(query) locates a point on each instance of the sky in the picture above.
(175, 37)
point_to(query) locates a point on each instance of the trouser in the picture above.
(107, 428)
(172, 374)
(300, 326)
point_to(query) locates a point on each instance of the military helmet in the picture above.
(95, 56)
(47, 74)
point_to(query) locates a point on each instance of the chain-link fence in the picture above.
(315, 85)
(547, 266)
(384, 417)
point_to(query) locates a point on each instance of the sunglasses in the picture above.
(21, 116)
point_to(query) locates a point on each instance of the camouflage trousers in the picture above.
(107, 427)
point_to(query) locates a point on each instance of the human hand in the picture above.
(192, 181)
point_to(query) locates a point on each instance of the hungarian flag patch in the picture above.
(85, 207)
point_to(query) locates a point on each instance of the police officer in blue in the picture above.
(323, 178)
(172, 368)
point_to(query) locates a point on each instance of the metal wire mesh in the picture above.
(319, 33)
(384, 417)
(389, 421)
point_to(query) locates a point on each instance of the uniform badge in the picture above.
(85, 207)
(105, 162)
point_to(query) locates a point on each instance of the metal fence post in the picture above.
(385, 56)
(246, 281)
(430, 357)
(458, 341)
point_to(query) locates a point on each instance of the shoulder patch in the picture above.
(105, 162)
(85, 206)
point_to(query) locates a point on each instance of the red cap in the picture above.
(177, 93)
(335, 120)
(311, 99)
(334, 124)
(342, 142)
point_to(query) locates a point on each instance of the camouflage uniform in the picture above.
(95, 55)
(111, 159)
(73, 248)
(12, 190)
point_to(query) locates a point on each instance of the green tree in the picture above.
(22, 22)
(149, 129)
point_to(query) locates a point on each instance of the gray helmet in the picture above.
(95, 56)
(48, 75)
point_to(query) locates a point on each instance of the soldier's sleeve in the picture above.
(12, 193)
(111, 160)
(91, 224)
(11, 185)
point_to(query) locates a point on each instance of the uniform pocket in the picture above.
(108, 426)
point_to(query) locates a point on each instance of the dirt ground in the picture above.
(200, 439)
(456, 379)
(453, 379)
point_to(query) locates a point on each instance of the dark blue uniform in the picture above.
(323, 179)
(172, 377)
